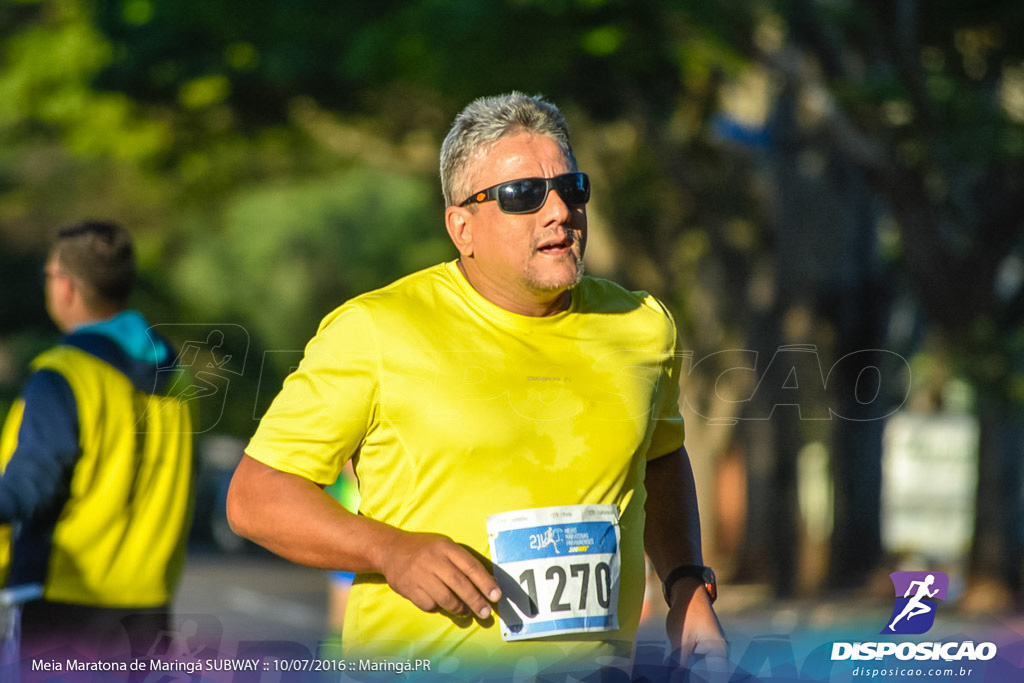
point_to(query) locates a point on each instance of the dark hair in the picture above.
(100, 255)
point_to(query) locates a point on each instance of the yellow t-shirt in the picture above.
(455, 409)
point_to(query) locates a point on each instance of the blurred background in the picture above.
(828, 194)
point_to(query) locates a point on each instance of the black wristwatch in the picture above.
(691, 571)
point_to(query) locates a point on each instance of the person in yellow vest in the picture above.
(97, 460)
(515, 431)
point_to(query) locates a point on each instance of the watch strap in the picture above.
(691, 571)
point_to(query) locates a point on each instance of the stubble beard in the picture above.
(553, 284)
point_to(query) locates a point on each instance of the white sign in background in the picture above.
(929, 484)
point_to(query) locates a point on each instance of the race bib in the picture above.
(558, 569)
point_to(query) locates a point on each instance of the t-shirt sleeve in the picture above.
(669, 431)
(327, 405)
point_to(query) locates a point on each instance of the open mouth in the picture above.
(556, 246)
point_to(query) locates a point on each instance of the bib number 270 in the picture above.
(558, 569)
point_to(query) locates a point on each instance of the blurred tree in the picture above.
(349, 56)
(251, 144)
(927, 102)
(290, 254)
(201, 102)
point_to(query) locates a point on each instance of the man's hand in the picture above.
(434, 572)
(294, 518)
(672, 539)
(692, 625)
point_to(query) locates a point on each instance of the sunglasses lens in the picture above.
(522, 196)
(529, 194)
(574, 188)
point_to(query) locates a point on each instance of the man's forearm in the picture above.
(672, 539)
(672, 532)
(296, 519)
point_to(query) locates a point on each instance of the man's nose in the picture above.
(555, 209)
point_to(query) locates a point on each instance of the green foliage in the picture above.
(47, 85)
(257, 56)
(289, 254)
(275, 157)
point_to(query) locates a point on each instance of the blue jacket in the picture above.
(98, 469)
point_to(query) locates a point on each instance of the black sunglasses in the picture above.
(527, 195)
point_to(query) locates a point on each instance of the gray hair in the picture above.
(486, 120)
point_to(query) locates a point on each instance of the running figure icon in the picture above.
(916, 604)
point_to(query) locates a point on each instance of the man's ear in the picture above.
(67, 291)
(458, 220)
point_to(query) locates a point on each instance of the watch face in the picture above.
(710, 584)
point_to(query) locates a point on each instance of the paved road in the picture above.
(255, 604)
(257, 596)
(253, 597)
